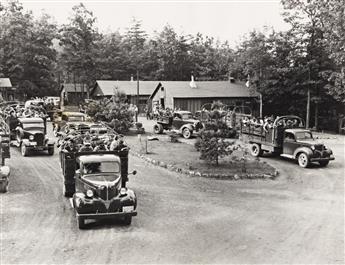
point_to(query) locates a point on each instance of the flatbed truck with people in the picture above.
(95, 179)
(286, 136)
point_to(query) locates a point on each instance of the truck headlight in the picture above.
(312, 147)
(31, 137)
(89, 193)
(123, 191)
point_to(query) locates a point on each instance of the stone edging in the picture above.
(194, 173)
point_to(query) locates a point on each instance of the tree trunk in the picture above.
(316, 123)
(308, 110)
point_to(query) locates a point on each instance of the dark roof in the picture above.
(5, 82)
(204, 89)
(71, 88)
(106, 87)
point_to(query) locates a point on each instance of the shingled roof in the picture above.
(106, 87)
(204, 89)
(5, 82)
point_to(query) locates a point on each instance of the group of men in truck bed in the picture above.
(74, 141)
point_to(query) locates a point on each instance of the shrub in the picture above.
(212, 148)
(115, 112)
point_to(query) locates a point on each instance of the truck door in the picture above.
(289, 143)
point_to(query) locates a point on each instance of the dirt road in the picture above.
(297, 218)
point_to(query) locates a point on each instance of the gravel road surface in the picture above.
(297, 218)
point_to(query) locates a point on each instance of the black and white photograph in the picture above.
(172, 132)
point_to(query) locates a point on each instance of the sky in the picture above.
(226, 20)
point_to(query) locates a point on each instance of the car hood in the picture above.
(33, 132)
(310, 142)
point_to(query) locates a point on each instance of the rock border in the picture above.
(193, 173)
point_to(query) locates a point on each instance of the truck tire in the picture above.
(158, 128)
(127, 220)
(324, 163)
(80, 222)
(24, 150)
(255, 150)
(303, 160)
(50, 150)
(187, 133)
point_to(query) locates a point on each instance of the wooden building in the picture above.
(107, 88)
(192, 95)
(74, 93)
(7, 91)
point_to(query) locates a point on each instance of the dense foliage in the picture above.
(37, 55)
(114, 112)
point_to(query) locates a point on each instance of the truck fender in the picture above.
(188, 126)
(302, 149)
(19, 130)
(25, 142)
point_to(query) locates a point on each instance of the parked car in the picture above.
(293, 142)
(31, 136)
(182, 122)
(67, 117)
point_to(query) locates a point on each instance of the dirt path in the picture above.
(298, 218)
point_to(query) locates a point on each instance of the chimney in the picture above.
(132, 78)
(192, 84)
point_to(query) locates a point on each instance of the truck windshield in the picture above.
(304, 136)
(186, 116)
(76, 118)
(101, 167)
(33, 126)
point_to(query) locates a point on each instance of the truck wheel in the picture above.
(187, 133)
(127, 220)
(51, 150)
(303, 160)
(158, 129)
(24, 150)
(80, 222)
(323, 163)
(255, 150)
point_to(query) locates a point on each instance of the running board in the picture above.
(287, 156)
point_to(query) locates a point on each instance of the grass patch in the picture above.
(185, 156)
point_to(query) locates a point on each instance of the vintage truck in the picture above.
(96, 181)
(31, 135)
(287, 138)
(181, 122)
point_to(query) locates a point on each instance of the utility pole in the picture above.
(308, 103)
(136, 114)
(260, 96)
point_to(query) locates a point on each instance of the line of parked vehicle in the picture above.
(94, 179)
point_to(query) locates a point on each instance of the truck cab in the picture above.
(96, 181)
(99, 191)
(31, 136)
(300, 144)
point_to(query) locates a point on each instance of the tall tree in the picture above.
(26, 51)
(173, 55)
(79, 39)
